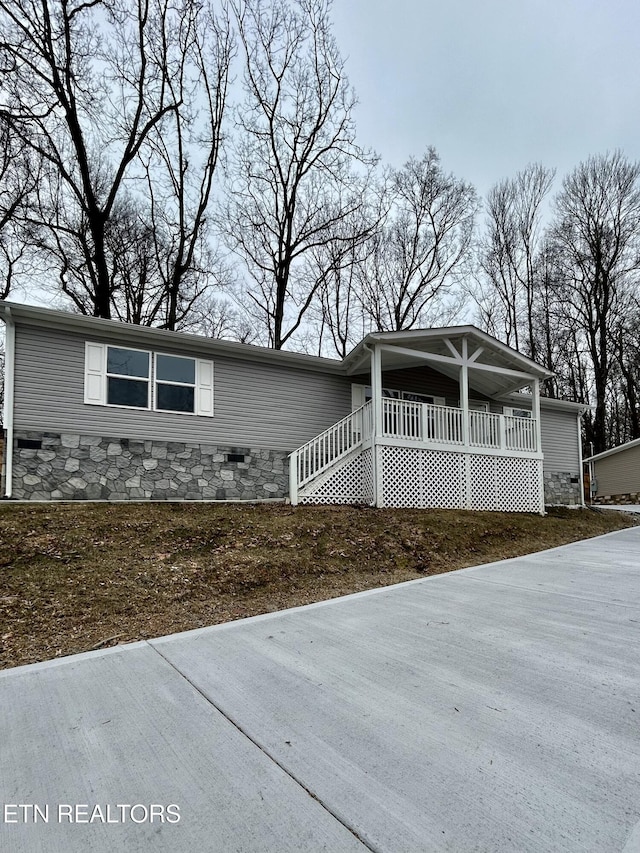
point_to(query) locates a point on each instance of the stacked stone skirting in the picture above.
(89, 467)
(632, 498)
(562, 489)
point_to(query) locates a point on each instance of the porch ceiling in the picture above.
(494, 368)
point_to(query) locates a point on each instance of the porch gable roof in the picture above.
(494, 368)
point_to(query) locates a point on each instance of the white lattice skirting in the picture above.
(429, 478)
(411, 477)
(349, 482)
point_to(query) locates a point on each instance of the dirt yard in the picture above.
(77, 577)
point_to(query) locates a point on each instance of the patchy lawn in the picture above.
(77, 577)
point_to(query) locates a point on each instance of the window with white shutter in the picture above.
(131, 378)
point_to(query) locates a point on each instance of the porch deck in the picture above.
(423, 455)
(404, 448)
(412, 424)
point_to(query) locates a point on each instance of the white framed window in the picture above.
(424, 398)
(175, 383)
(476, 405)
(361, 394)
(390, 393)
(130, 378)
(517, 413)
(127, 377)
(116, 376)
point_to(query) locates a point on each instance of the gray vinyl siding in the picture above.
(619, 474)
(256, 404)
(560, 441)
(559, 433)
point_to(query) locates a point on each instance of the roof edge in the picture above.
(549, 402)
(537, 370)
(612, 451)
(40, 316)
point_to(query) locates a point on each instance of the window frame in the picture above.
(96, 355)
(509, 411)
(477, 406)
(176, 384)
(108, 376)
(415, 397)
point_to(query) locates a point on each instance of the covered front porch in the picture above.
(455, 445)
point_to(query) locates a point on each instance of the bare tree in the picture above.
(410, 274)
(91, 87)
(340, 314)
(596, 233)
(18, 180)
(337, 319)
(510, 254)
(183, 154)
(292, 180)
(626, 371)
(221, 317)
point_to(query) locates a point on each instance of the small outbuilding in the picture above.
(615, 474)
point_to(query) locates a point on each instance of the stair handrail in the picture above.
(328, 447)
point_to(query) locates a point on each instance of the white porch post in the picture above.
(464, 394)
(464, 404)
(581, 463)
(293, 478)
(9, 365)
(535, 411)
(376, 403)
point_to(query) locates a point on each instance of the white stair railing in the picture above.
(325, 449)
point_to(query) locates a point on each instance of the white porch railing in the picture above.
(404, 419)
(520, 433)
(411, 423)
(325, 449)
(421, 421)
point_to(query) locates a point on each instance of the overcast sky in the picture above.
(494, 84)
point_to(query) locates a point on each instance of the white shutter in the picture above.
(94, 374)
(204, 388)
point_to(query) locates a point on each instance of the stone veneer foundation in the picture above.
(629, 499)
(562, 489)
(53, 466)
(69, 466)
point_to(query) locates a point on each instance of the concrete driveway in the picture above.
(492, 709)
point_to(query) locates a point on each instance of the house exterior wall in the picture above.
(561, 466)
(256, 404)
(560, 441)
(262, 411)
(618, 475)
